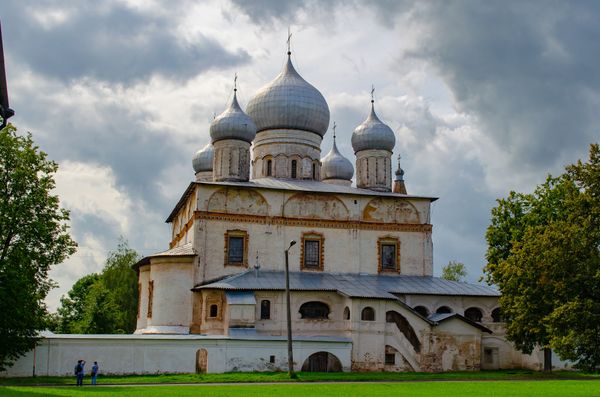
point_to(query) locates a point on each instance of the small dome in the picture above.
(203, 159)
(373, 134)
(289, 102)
(233, 123)
(336, 166)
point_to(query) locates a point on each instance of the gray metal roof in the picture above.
(351, 285)
(203, 159)
(182, 250)
(310, 186)
(437, 318)
(240, 297)
(335, 166)
(373, 134)
(289, 102)
(233, 123)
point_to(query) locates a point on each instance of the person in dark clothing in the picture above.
(79, 372)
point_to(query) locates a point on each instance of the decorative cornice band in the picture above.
(323, 223)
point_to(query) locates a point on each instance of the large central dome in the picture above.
(289, 102)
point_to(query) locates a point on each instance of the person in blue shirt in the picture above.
(94, 372)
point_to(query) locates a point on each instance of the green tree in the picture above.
(104, 303)
(33, 237)
(70, 314)
(454, 271)
(544, 256)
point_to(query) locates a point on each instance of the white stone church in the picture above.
(363, 295)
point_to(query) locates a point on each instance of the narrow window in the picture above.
(390, 359)
(271, 359)
(236, 245)
(150, 297)
(346, 313)
(312, 249)
(367, 314)
(314, 171)
(265, 309)
(388, 254)
(496, 316)
(294, 171)
(214, 311)
(311, 252)
(236, 250)
(269, 167)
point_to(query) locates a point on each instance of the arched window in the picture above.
(294, 170)
(496, 316)
(346, 313)
(269, 167)
(314, 310)
(443, 309)
(474, 314)
(214, 311)
(265, 309)
(422, 310)
(367, 314)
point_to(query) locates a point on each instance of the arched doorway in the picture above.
(322, 362)
(201, 361)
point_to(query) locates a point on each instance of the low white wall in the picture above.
(150, 354)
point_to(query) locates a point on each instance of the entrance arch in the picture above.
(201, 361)
(322, 362)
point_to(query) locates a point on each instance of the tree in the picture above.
(70, 314)
(33, 237)
(104, 303)
(544, 256)
(454, 271)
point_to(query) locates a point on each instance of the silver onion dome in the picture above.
(203, 159)
(373, 134)
(233, 123)
(289, 102)
(335, 166)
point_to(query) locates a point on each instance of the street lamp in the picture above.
(289, 312)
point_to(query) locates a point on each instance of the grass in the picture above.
(253, 377)
(553, 388)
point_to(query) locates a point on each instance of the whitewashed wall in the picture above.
(152, 354)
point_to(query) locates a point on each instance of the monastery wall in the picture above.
(56, 355)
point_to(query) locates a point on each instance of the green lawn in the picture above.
(553, 388)
(304, 377)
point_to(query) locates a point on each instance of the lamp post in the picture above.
(5, 110)
(289, 312)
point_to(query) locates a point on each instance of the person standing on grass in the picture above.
(79, 372)
(94, 372)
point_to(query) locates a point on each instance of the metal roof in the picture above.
(240, 297)
(351, 285)
(437, 318)
(182, 250)
(311, 186)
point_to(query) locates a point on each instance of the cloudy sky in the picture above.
(484, 97)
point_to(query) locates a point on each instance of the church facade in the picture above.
(360, 257)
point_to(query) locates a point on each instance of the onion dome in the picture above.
(233, 123)
(334, 165)
(289, 102)
(203, 159)
(373, 134)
